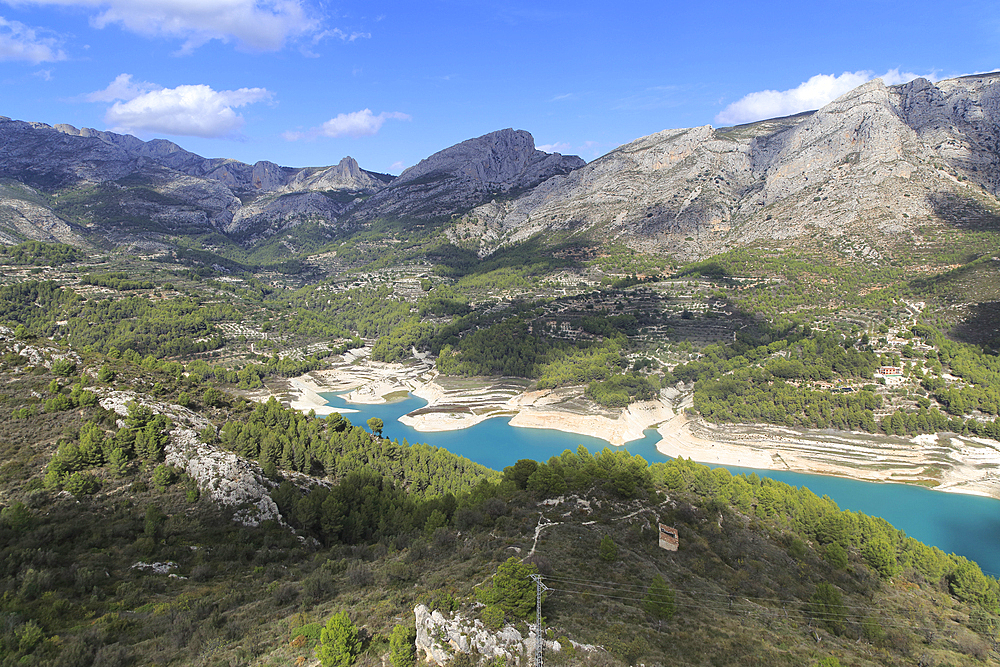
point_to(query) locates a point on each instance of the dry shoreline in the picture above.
(945, 462)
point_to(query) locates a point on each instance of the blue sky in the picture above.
(306, 82)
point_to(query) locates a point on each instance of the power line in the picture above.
(691, 592)
(757, 610)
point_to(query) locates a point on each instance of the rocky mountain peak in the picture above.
(190, 190)
(345, 175)
(468, 174)
(498, 161)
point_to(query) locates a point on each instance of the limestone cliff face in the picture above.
(872, 165)
(467, 174)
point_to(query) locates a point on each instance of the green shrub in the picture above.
(17, 517)
(660, 600)
(492, 616)
(880, 555)
(163, 476)
(827, 606)
(609, 550)
(81, 484)
(402, 649)
(339, 644)
(442, 600)
(309, 632)
(511, 589)
(29, 636)
(105, 375)
(58, 403)
(117, 462)
(797, 549)
(63, 367)
(835, 555)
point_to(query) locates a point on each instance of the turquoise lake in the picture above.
(965, 525)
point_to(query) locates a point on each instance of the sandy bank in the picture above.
(676, 441)
(952, 463)
(462, 403)
(626, 427)
(304, 396)
(366, 381)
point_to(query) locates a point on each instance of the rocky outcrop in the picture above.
(496, 164)
(226, 478)
(23, 215)
(440, 638)
(272, 214)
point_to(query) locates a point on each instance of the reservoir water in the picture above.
(966, 525)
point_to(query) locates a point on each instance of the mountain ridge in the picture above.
(875, 173)
(856, 169)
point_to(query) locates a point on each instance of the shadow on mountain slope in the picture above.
(964, 213)
(533, 256)
(981, 326)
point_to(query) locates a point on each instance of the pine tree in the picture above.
(659, 601)
(339, 644)
(511, 589)
(827, 606)
(402, 650)
(609, 550)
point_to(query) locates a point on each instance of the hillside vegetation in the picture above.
(112, 557)
(118, 551)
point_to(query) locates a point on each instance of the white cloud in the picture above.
(557, 147)
(335, 33)
(894, 77)
(341, 35)
(585, 150)
(397, 166)
(358, 123)
(195, 111)
(259, 25)
(121, 88)
(19, 42)
(809, 95)
(355, 124)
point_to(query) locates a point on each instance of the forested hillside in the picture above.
(110, 556)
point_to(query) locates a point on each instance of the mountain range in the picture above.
(880, 171)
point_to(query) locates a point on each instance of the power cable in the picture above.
(693, 593)
(718, 605)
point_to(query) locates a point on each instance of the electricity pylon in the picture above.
(539, 587)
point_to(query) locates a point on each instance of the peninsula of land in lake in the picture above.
(945, 461)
